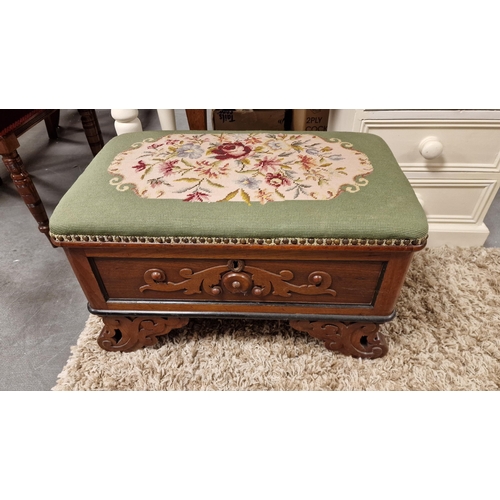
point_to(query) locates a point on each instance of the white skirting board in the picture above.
(459, 235)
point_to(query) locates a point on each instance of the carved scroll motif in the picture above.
(207, 280)
(128, 334)
(359, 339)
(236, 278)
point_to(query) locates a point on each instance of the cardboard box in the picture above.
(310, 119)
(251, 119)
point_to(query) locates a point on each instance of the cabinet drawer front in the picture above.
(451, 200)
(467, 145)
(264, 281)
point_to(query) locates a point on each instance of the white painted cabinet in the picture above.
(451, 158)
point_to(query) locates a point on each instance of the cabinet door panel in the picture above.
(451, 200)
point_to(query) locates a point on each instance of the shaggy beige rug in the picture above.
(446, 337)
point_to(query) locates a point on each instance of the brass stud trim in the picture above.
(71, 238)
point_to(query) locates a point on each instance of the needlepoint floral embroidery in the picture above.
(248, 167)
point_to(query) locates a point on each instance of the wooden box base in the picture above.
(339, 294)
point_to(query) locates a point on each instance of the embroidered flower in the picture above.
(266, 163)
(338, 158)
(307, 161)
(277, 180)
(190, 150)
(231, 150)
(264, 196)
(196, 196)
(252, 139)
(140, 166)
(154, 146)
(212, 170)
(312, 151)
(155, 182)
(213, 167)
(167, 167)
(248, 182)
(277, 145)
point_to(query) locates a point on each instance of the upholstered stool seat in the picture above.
(316, 228)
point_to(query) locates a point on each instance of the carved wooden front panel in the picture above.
(237, 280)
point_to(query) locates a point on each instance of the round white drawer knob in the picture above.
(430, 148)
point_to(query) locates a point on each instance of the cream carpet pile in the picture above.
(446, 337)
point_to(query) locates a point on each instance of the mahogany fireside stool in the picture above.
(318, 229)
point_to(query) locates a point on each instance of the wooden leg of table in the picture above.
(197, 119)
(51, 123)
(126, 334)
(358, 339)
(92, 129)
(23, 182)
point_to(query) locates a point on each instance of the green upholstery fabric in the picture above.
(386, 207)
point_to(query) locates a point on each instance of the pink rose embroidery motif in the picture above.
(230, 150)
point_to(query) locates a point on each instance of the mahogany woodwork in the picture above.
(127, 334)
(256, 280)
(92, 129)
(197, 119)
(31, 120)
(23, 182)
(336, 294)
(357, 339)
(17, 170)
(51, 124)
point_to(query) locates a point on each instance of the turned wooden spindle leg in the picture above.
(126, 334)
(23, 182)
(358, 339)
(92, 129)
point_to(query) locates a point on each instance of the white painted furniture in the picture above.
(451, 157)
(127, 120)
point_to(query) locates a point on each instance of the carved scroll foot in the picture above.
(359, 339)
(126, 334)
